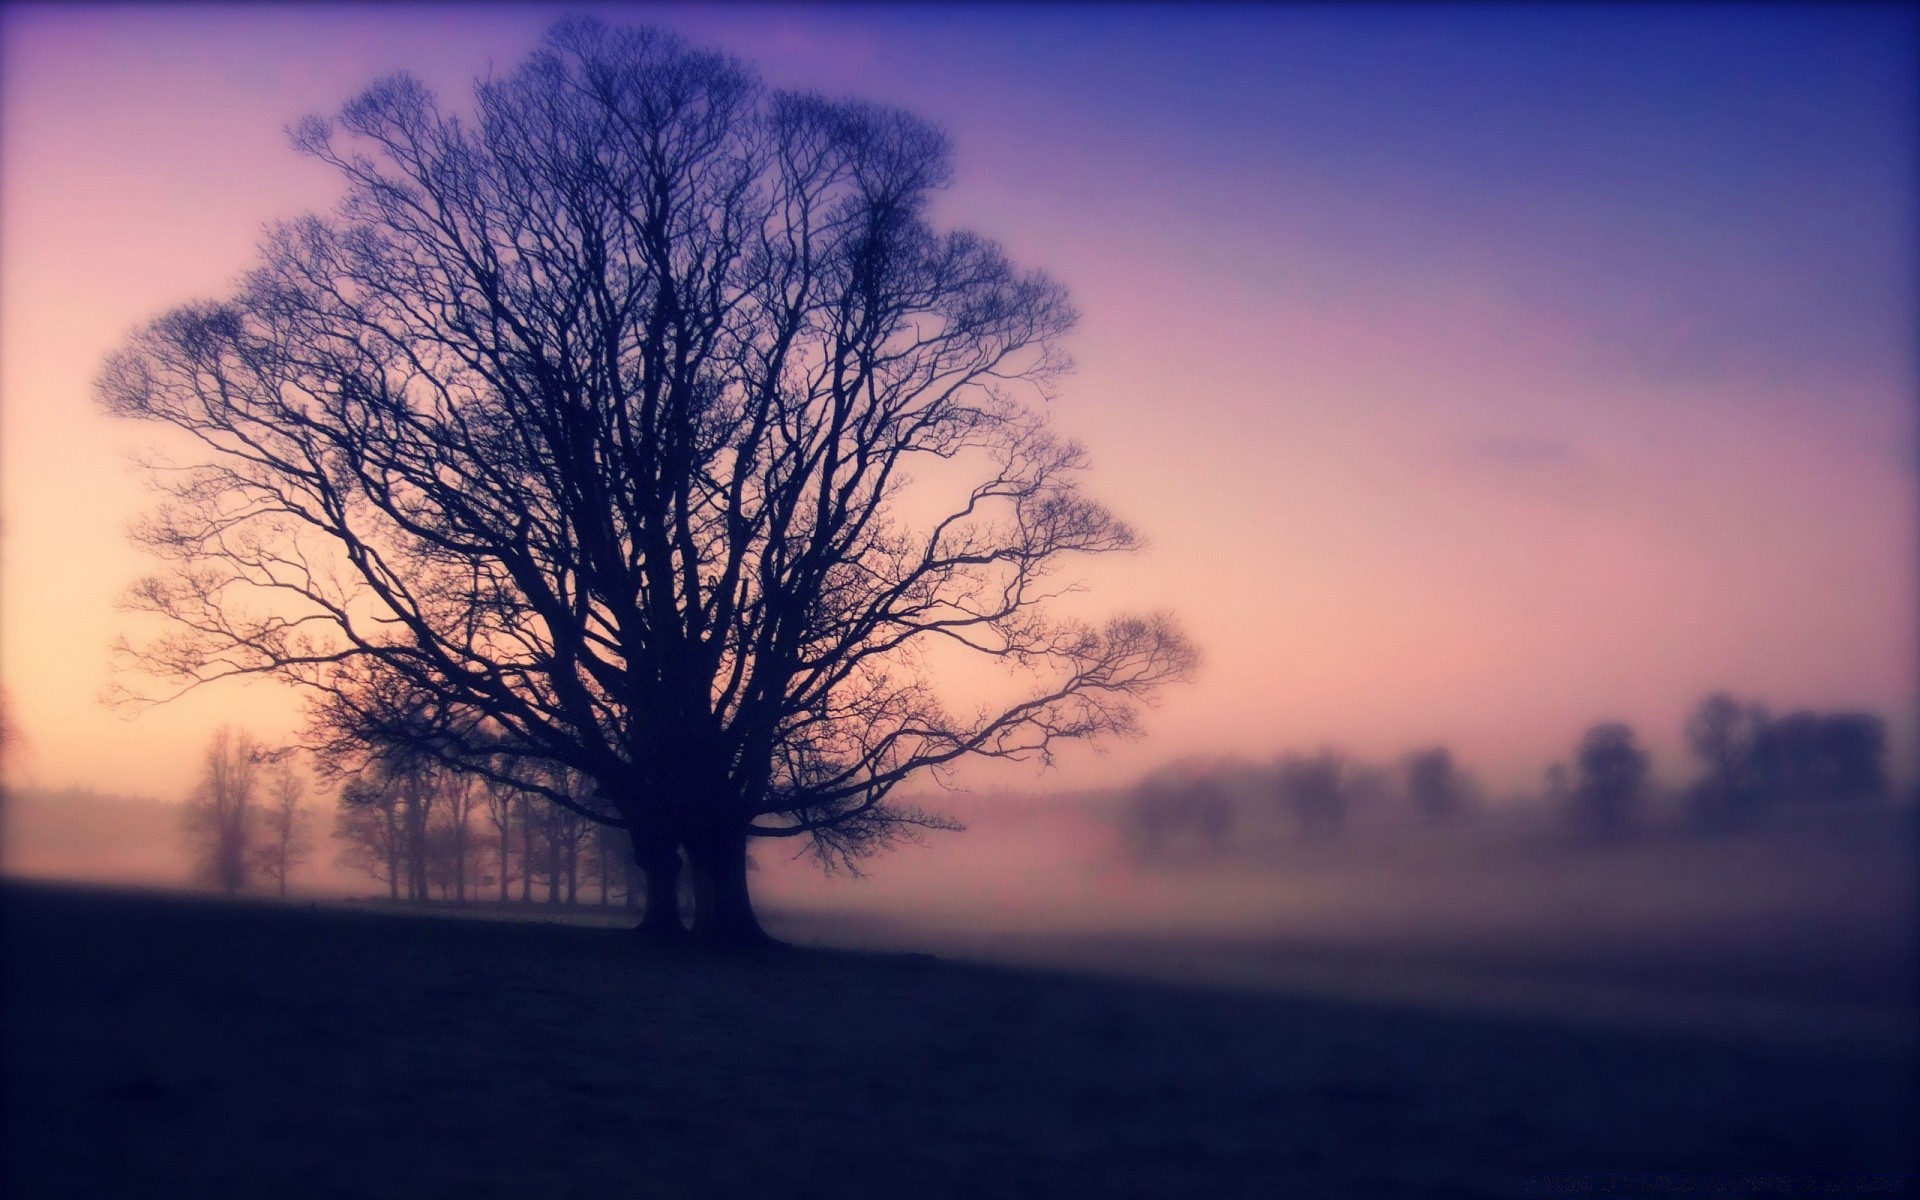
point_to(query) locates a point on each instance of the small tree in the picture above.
(285, 840)
(453, 833)
(1613, 774)
(220, 821)
(1435, 784)
(1727, 735)
(1836, 756)
(1316, 789)
(1559, 785)
(499, 800)
(1855, 755)
(369, 827)
(1178, 805)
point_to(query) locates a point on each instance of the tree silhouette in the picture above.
(450, 838)
(1182, 804)
(1316, 788)
(370, 827)
(220, 818)
(285, 840)
(1559, 785)
(1726, 736)
(1810, 756)
(1613, 773)
(500, 803)
(1434, 784)
(587, 425)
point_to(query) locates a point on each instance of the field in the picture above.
(170, 1045)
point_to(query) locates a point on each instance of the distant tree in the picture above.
(1434, 784)
(285, 839)
(369, 828)
(607, 856)
(1855, 756)
(1559, 785)
(500, 803)
(1613, 775)
(457, 798)
(1838, 756)
(1175, 807)
(567, 831)
(1726, 735)
(418, 789)
(220, 820)
(1316, 790)
(530, 842)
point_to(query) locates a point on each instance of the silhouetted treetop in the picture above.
(1613, 774)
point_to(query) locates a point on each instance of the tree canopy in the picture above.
(585, 433)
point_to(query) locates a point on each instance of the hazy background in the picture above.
(1475, 374)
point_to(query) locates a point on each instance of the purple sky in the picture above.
(1475, 373)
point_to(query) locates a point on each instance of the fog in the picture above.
(1800, 921)
(1812, 913)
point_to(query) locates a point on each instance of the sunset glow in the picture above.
(1474, 374)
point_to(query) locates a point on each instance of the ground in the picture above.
(159, 1045)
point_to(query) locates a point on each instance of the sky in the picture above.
(1473, 373)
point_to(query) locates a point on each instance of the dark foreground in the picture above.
(171, 1046)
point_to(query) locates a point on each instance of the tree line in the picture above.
(430, 833)
(1745, 762)
(1190, 808)
(404, 821)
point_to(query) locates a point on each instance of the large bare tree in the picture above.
(588, 425)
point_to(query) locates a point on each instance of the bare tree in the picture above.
(499, 803)
(220, 820)
(1726, 736)
(1559, 785)
(1613, 775)
(1832, 756)
(1435, 784)
(1317, 790)
(529, 837)
(285, 837)
(455, 832)
(606, 856)
(588, 424)
(369, 826)
(1178, 806)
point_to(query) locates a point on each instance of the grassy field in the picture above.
(166, 1045)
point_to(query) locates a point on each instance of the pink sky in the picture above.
(1435, 437)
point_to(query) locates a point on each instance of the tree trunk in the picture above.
(722, 906)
